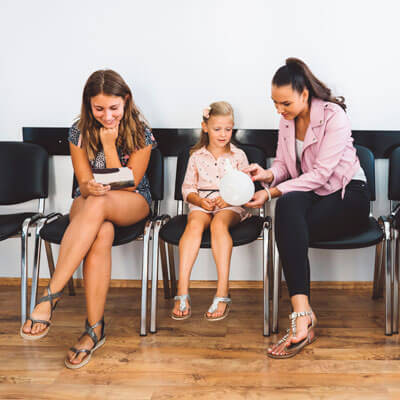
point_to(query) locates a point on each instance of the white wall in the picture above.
(178, 56)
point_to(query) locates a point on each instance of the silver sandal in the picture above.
(214, 307)
(295, 348)
(182, 307)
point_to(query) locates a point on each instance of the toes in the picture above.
(27, 327)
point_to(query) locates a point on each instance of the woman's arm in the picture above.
(108, 138)
(83, 172)
(138, 162)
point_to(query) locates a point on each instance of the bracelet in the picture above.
(269, 194)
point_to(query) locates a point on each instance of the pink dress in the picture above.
(204, 173)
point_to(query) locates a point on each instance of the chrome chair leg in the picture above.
(145, 272)
(378, 288)
(24, 268)
(395, 258)
(266, 286)
(154, 280)
(36, 264)
(388, 277)
(164, 268)
(275, 296)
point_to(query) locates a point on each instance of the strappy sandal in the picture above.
(182, 307)
(295, 348)
(89, 330)
(214, 307)
(50, 297)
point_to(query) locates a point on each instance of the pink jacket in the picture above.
(328, 160)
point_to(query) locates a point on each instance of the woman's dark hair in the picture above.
(296, 73)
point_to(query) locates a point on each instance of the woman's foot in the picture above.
(84, 343)
(219, 309)
(42, 312)
(304, 329)
(182, 307)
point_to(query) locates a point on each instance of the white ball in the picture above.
(236, 188)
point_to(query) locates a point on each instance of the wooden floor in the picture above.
(196, 359)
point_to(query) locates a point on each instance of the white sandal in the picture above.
(182, 307)
(214, 307)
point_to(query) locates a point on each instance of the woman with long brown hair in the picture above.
(110, 133)
(318, 181)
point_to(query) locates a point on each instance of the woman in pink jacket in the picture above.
(321, 186)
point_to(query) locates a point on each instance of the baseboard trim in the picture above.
(135, 283)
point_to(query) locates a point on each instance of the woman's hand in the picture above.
(258, 173)
(207, 204)
(258, 200)
(220, 202)
(108, 136)
(93, 188)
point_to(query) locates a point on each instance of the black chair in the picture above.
(170, 230)
(391, 225)
(24, 171)
(53, 231)
(373, 235)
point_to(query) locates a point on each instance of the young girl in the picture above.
(205, 168)
(110, 133)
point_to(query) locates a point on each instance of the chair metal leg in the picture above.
(154, 280)
(378, 288)
(24, 268)
(172, 274)
(164, 268)
(36, 264)
(395, 258)
(145, 272)
(275, 296)
(388, 279)
(266, 265)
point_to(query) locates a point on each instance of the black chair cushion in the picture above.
(242, 233)
(54, 231)
(11, 224)
(372, 235)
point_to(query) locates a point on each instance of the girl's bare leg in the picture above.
(87, 216)
(221, 244)
(189, 246)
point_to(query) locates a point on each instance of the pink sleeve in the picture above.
(191, 179)
(242, 161)
(333, 144)
(278, 166)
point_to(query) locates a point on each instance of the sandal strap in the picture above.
(182, 301)
(218, 300)
(50, 297)
(76, 351)
(294, 315)
(89, 330)
(38, 321)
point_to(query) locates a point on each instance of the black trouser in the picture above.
(303, 217)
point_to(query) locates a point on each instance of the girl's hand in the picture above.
(220, 202)
(108, 136)
(259, 198)
(92, 188)
(207, 204)
(258, 173)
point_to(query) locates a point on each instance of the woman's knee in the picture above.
(95, 206)
(195, 226)
(218, 226)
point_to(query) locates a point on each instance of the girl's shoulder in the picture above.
(149, 137)
(74, 134)
(237, 152)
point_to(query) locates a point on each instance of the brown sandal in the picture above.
(295, 348)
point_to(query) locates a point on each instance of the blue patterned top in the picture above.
(74, 136)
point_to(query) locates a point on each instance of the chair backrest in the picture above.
(367, 161)
(24, 172)
(155, 173)
(254, 155)
(394, 175)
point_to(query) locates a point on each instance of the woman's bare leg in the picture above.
(87, 216)
(221, 244)
(189, 246)
(96, 275)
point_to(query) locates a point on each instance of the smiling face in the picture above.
(108, 110)
(219, 129)
(288, 102)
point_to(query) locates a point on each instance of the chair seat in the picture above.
(11, 224)
(372, 235)
(54, 231)
(242, 233)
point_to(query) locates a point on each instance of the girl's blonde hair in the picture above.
(131, 135)
(219, 108)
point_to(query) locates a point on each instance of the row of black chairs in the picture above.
(29, 180)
